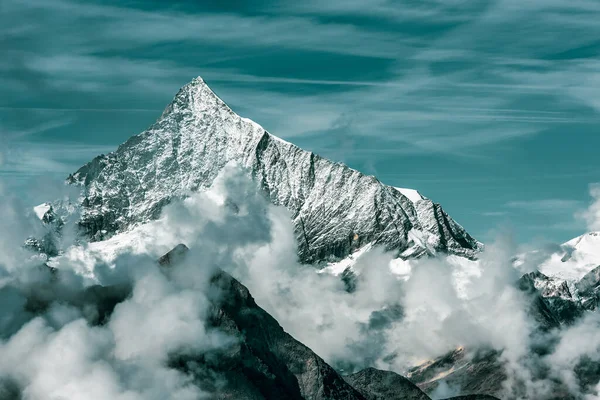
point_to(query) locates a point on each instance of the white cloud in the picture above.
(387, 322)
(591, 216)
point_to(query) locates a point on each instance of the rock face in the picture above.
(335, 209)
(553, 304)
(267, 361)
(474, 397)
(588, 289)
(479, 373)
(376, 384)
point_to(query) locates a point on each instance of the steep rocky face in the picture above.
(480, 376)
(269, 360)
(335, 209)
(375, 384)
(588, 289)
(481, 373)
(553, 304)
(474, 397)
(266, 362)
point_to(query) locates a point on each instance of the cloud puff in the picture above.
(54, 346)
(591, 215)
(545, 206)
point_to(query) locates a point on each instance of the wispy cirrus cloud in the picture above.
(94, 110)
(26, 159)
(441, 11)
(545, 206)
(133, 27)
(24, 156)
(413, 104)
(8, 134)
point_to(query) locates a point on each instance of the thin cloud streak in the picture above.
(131, 25)
(30, 158)
(10, 134)
(400, 107)
(545, 206)
(82, 109)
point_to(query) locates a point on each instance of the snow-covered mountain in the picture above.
(335, 209)
(575, 259)
(569, 278)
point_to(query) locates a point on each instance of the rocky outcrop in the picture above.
(478, 373)
(375, 384)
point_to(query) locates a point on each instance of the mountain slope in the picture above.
(376, 384)
(265, 362)
(335, 209)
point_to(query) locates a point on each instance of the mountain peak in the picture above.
(196, 85)
(199, 87)
(196, 97)
(197, 81)
(335, 209)
(574, 259)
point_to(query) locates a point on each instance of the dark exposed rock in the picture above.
(9, 390)
(348, 276)
(376, 384)
(381, 319)
(551, 306)
(177, 254)
(474, 397)
(481, 373)
(589, 287)
(98, 302)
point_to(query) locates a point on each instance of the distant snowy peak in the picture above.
(569, 278)
(336, 210)
(575, 259)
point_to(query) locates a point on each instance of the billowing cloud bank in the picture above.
(59, 346)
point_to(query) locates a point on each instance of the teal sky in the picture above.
(489, 107)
